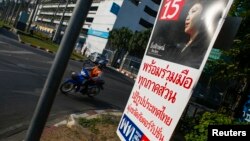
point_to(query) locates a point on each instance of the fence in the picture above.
(132, 65)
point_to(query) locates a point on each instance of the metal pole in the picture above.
(57, 70)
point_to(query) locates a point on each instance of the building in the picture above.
(103, 16)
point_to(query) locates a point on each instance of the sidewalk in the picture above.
(68, 129)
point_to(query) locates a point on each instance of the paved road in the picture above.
(23, 71)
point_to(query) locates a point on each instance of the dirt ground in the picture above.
(63, 133)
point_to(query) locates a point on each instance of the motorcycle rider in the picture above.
(94, 74)
(96, 71)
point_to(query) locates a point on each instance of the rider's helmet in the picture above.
(73, 75)
(101, 64)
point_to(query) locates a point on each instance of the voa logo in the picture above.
(130, 131)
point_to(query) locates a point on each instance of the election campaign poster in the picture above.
(182, 38)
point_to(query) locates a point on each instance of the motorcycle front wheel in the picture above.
(67, 87)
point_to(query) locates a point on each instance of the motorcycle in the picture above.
(75, 84)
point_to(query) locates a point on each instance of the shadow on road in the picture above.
(7, 33)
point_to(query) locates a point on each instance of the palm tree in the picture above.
(139, 42)
(119, 41)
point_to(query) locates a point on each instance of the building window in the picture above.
(157, 1)
(136, 2)
(145, 23)
(150, 11)
(89, 20)
(94, 8)
(84, 31)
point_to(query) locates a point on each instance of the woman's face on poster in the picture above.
(193, 19)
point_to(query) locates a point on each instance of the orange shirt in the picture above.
(95, 72)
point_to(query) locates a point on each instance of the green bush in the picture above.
(42, 36)
(200, 131)
(102, 119)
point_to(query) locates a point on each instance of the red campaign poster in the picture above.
(181, 40)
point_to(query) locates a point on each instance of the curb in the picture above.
(128, 74)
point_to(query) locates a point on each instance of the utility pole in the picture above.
(59, 28)
(57, 70)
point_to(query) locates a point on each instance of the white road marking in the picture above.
(3, 43)
(37, 92)
(11, 71)
(31, 67)
(16, 52)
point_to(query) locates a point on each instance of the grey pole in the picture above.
(57, 70)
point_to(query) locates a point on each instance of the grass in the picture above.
(38, 42)
(43, 41)
(1, 23)
(101, 120)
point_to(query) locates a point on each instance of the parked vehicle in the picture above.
(74, 84)
(96, 57)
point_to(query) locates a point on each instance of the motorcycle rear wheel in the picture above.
(96, 92)
(67, 87)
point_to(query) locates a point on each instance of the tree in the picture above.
(233, 67)
(138, 43)
(199, 132)
(118, 40)
(125, 42)
(23, 6)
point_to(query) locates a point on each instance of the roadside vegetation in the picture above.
(104, 126)
(41, 40)
(102, 119)
(100, 128)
